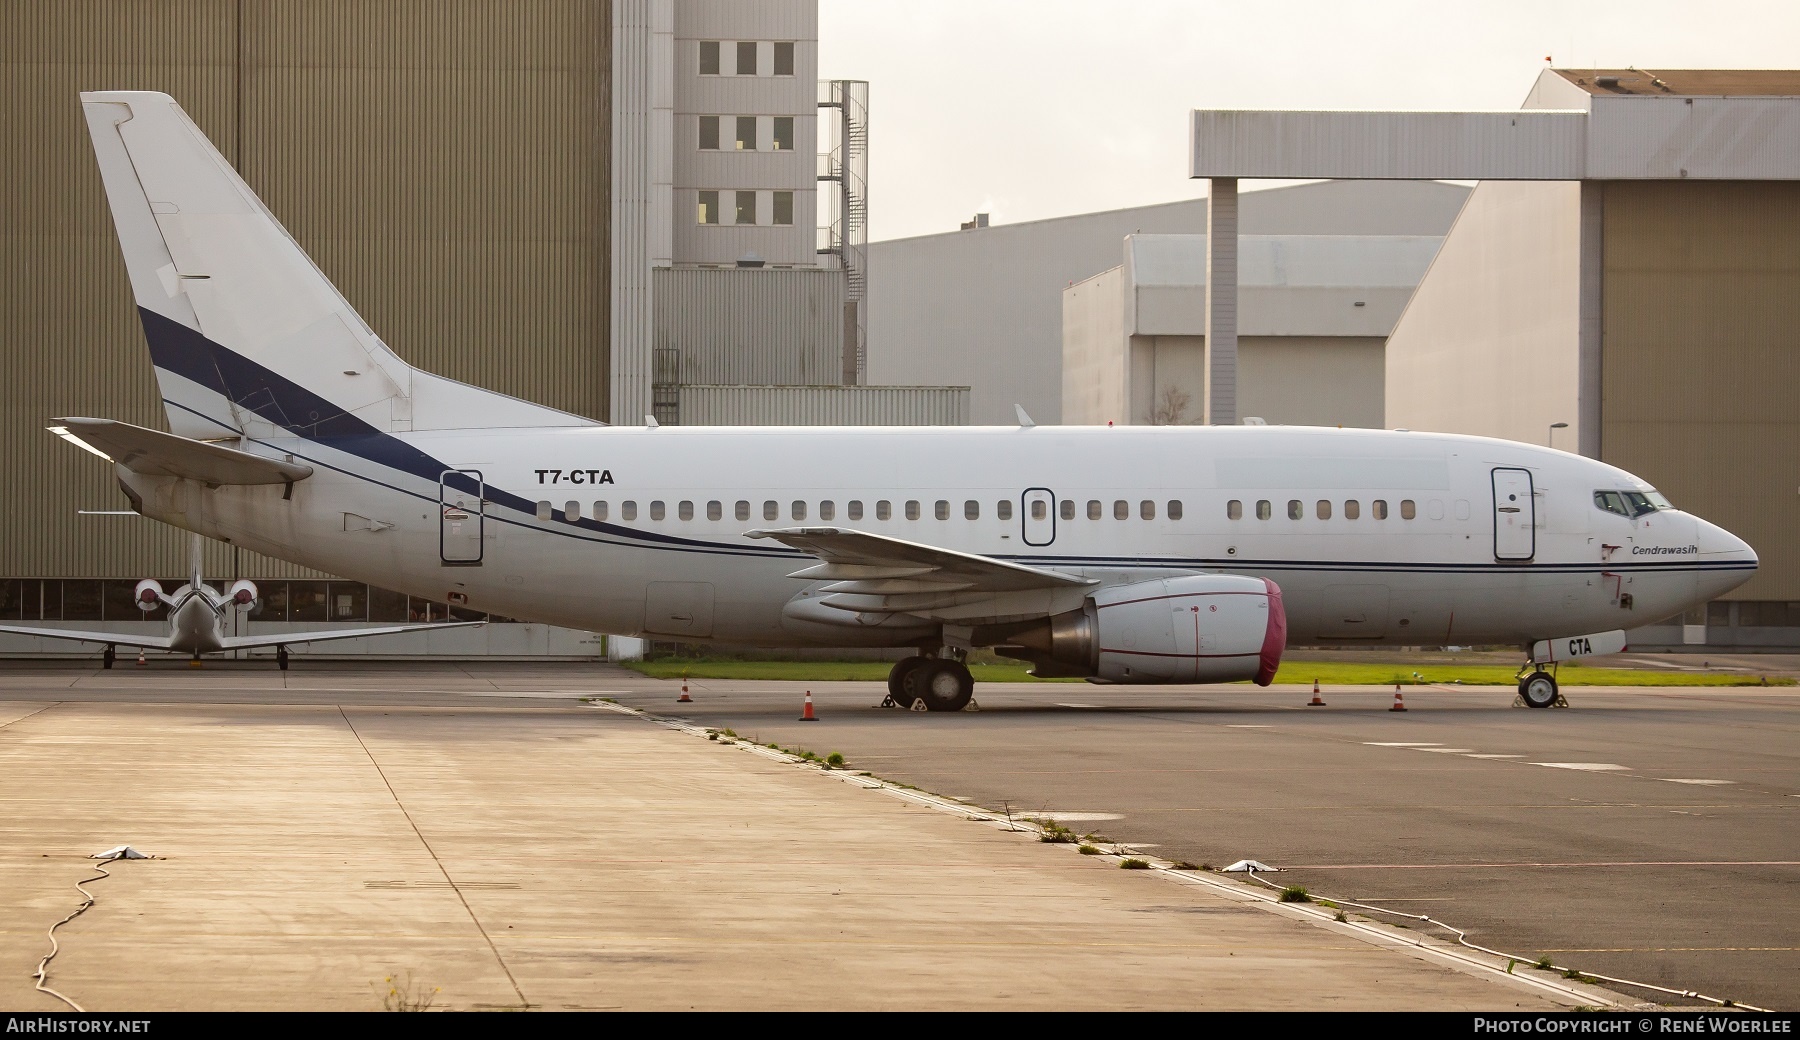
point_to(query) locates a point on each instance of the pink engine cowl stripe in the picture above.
(1274, 637)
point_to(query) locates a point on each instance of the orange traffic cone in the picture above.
(141, 661)
(684, 698)
(1399, 702)
(1315, 702)
(807, 715)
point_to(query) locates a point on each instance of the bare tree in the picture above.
(1171, 410)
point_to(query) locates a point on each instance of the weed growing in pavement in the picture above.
(1183, 865)
(1208, 867)
(1341, 919)
(1326, 903)
(1133, 864)
(1054, 833)
(1571, 973)
(406, 995)
(1544, 963)
(1295, 894)
(1088, 850)
(835, 760)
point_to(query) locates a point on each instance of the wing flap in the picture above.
(873, 575)
(296, 638)
(80, 635)
(158, 454)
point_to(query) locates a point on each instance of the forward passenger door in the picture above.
(1515, 515)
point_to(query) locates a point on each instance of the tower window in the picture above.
(784, 59)
(709, 133)
(709, 57)
(709, 208)
(746, 59)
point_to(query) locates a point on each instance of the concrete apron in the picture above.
(573, 858)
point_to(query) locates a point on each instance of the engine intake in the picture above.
(1202, 628)
(242, 594)
(149, 594)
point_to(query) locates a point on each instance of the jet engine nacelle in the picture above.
(149, 594)
(1202, 628)
(242, 593)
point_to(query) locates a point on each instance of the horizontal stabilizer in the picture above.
(165, 455)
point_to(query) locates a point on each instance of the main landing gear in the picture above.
(281, 658)
(939, 683)
(106, 657)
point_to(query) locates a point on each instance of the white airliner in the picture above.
(1127, 555)
(197, 613)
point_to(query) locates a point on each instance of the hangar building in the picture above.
(1624, 279)
(577, 202)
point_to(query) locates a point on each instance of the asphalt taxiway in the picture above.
(486, 833)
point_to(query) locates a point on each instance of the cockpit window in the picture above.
(1630, 503)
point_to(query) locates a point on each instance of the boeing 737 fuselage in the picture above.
(1130, 554)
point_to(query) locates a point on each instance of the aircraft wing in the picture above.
(165, 455)
(89, 636)
(296, 638)
(876, 574)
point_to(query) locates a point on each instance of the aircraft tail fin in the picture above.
(246, 333)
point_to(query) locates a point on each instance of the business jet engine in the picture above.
(149, 594)
(242, 594)
(1201, 628)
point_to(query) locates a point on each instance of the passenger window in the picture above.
(798, 511)
(1003, 509)
(599, 510)
(1234, 510)
(628, 510)
(971, 510)
(1093, 509)
(1407, 509)
(1068, 509)
(543, 510)
(1352, 509)
(828, 510)
(1121, 509)
(656, 510)
(741, 510)
(715, 510)
(912, 509)
(1434, 508)
(572, 512)
(1378, 509)
(853, 509)
(1147, 509)
(1323, 508)
(1295, 509)
(884, 510)
(771, 510)
(685, 510)
(1175, 509)
(1264, 509)
(942, 509)
(1038, 511)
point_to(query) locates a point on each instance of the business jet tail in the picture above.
(248, 336)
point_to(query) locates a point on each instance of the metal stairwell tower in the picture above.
(844, 230)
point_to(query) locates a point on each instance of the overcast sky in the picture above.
(1044, 108)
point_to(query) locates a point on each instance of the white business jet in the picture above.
(197, 614)
(1121, 555)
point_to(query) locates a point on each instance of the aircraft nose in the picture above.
(1719, 546)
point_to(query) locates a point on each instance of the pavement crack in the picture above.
(454, 887)
(40, 711)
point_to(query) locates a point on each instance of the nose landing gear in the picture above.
(1538, 690)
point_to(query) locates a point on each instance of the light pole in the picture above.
(1551, 436)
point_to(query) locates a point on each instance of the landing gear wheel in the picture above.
(106, 658)
(944, 685)
(281, 658)
(1538, 690)
(900, 690)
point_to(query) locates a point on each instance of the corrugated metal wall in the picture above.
(1701, 357)
(824, 405)
(750, 325)
(445, 163)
